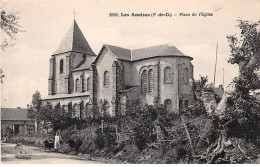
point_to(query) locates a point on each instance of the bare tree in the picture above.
(10, 26)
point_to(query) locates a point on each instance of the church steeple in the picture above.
(74, 40)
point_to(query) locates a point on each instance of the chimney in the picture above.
(221, 87)
(18, 107)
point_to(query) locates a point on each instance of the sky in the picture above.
(26, 64)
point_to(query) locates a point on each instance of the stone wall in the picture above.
(105, 63)
(62, 83)
(124, 74)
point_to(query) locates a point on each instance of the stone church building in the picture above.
(79, 78)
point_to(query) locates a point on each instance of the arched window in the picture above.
(88, 84)
(186, 103)
(61, 66)
(151, 81)
(186, 75)
(57, 105)
(168, 104)
(167, 75)
(77, 110)
(106, 78)
(87, 110)
(180, 104)
(82, 84)
(68, 107)
(144, 82)
(77, 85)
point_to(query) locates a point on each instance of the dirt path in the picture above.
(39, 156)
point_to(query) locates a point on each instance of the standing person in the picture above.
(57, 142)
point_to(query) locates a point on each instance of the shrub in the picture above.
(181, 152)
(72, 143)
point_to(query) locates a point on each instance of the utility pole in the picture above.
(223, 78)
(215, 65)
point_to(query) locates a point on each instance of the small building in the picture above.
(219, 90)
(212, 96)
(15, 119)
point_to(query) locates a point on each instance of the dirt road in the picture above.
(39, 156)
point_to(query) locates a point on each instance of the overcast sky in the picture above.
(26, 65)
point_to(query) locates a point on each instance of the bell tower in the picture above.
(72, 50)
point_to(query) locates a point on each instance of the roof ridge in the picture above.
(167, 44)
(13, 108)
(73, 35)
(117, 46)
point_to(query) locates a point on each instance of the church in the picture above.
(79, 78)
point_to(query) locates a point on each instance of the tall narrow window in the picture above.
(77, 85)
(167, 75)
(75, 109)
(106, 78)
(151, 81)
(88, 84)
(186, 103)
(180, 104)
(168, 104)
(61, 66)
(186, 75)
(87, 110)
(144, 82)
(82, 84)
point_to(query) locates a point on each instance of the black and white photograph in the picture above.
(130, 82)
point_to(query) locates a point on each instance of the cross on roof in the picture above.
(74, 13)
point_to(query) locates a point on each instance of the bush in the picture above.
(181, 152)
(105, 139)
(65, 148)
(72, 143)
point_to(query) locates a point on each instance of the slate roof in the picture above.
(121, 53)
(74, 40)
(14, 114)
(144, 53)
(85, 64)
(128, 88)
(63, 96)
(154, 51)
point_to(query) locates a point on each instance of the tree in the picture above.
(46, 114)
(237, 114)
(199, 85)
(35, 107)
(1, 76)
(10, 26)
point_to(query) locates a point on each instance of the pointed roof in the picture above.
(74, 40)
